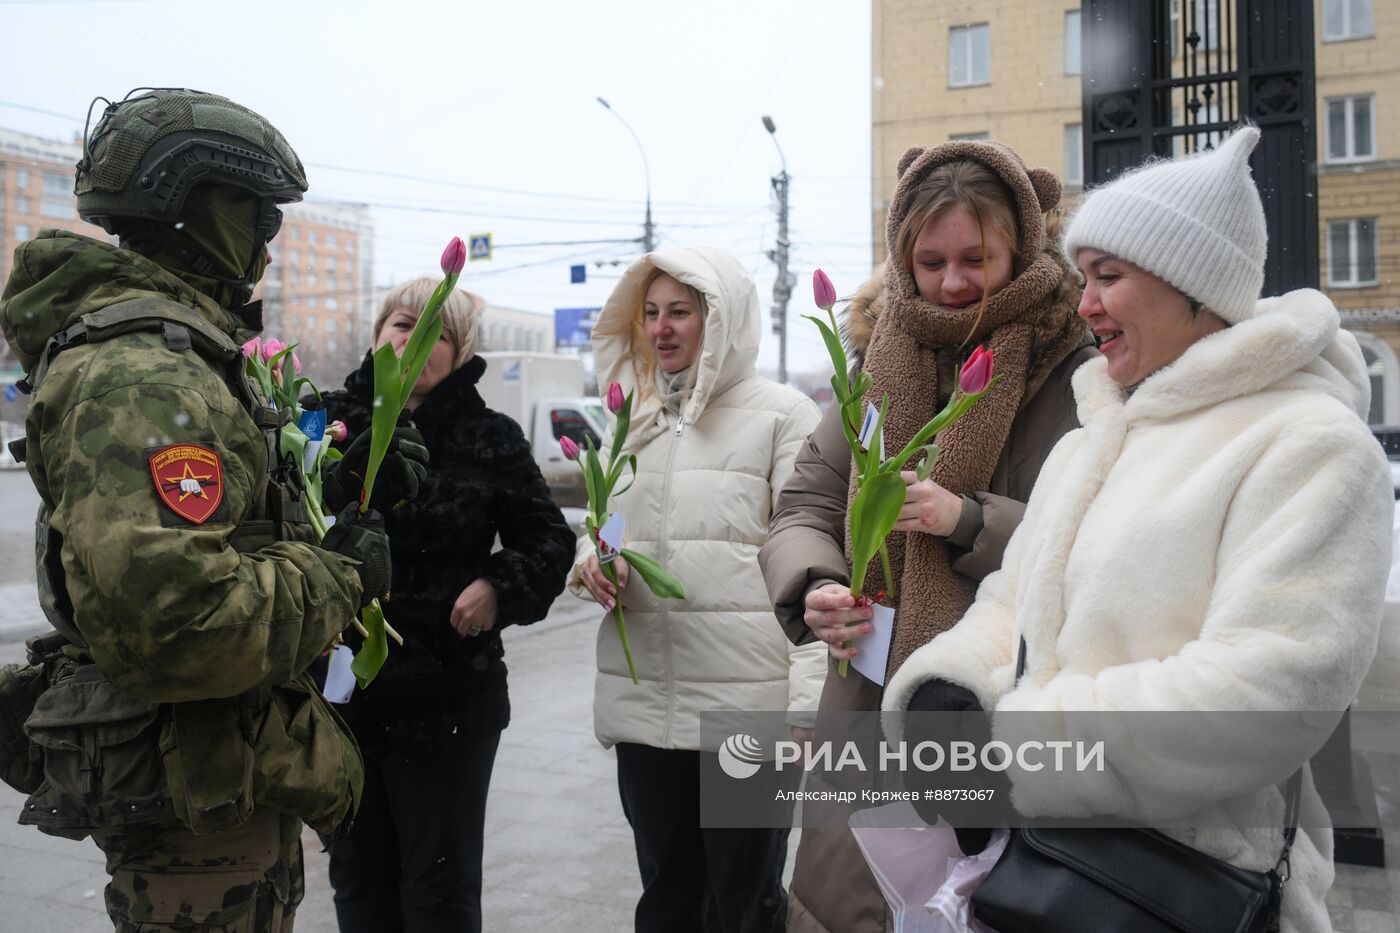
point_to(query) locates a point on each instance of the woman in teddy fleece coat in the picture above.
(1215, 536)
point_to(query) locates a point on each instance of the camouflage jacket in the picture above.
(169, 609)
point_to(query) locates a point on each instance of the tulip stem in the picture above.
(610, 572)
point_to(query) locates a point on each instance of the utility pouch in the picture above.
(97, 744)
(21, 685)
(208, 764)
(306, 763)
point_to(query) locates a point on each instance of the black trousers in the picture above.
(693, 879)
(412, 861)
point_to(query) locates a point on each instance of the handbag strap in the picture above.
(1292, 795)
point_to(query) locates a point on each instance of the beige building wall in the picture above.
(1027, 103)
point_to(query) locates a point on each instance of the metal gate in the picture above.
(1167, 77)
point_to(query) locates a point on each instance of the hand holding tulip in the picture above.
(928, 507)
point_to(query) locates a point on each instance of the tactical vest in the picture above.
(112, 762)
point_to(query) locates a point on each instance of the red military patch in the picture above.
(189, 479)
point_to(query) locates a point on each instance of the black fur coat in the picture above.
(482, 482)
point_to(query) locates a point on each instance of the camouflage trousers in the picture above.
(244, 880)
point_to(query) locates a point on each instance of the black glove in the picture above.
(362, 538)
(400, 473)
(943, 696)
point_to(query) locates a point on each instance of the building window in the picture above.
(295, 232)
(55, 183)
(311, 301)
(331, 241)
(1351, 133)
(330, 321)
(23, 205)
(22, 177)
(311, 237)
(21, 232)
(56, 209)
(1347, 19)
(1351, 253)
(1074, 154)
(296, 256)
(969, 55)
(1072, 42)
(969, 137)
(330, 263)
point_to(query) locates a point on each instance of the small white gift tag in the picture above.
(610, 539)
(308, 459)
(340, 680)
(867, 430)
(875, 648)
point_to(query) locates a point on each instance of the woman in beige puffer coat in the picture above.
(714, 443)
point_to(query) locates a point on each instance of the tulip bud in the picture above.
(823, 292)
(337, 431)
(454, 257)
(570, 449)
(253, 347)
(271, 347)
(615, 398)
(976, 372)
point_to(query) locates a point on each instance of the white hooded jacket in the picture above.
(1216, 540)
(705, 487)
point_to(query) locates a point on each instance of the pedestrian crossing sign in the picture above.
(480, 246)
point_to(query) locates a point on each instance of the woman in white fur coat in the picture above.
(1215, 536)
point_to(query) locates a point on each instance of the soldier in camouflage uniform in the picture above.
(176, 725)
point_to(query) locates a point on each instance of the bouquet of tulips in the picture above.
(879, 485)
(600, 481)
(277, 370)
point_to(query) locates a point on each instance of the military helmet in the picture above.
(150, 149)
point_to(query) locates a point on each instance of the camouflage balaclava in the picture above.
(218, 223)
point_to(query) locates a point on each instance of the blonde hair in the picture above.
(967, 184)
(461, 313)
(691, 292)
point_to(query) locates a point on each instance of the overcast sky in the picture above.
(492, 107)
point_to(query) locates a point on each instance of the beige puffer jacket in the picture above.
(705, 489)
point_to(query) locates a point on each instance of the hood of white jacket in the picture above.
(1294, 341)
(729, 352)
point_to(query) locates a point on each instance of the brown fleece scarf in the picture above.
(1028, 332)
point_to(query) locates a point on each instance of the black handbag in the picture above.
(1111, 880)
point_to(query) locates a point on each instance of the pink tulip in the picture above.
(570, 449)
(615, 398)
(454, 257)
(253, 347)
(271, 347)
(337, 431)
(976, 372)
(823, 292)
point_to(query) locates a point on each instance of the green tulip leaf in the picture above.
(873, 515)
(925, 469)
(372, 654)
(657, 578)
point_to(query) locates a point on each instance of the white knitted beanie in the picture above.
(1196, 222)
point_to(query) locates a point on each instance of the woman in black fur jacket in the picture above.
(430, 722)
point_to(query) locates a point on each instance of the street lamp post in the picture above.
(648, 229)
(783, 284)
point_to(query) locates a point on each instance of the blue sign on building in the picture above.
(573, 327)
(479, 246)
(11, 392)
(578, 274)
